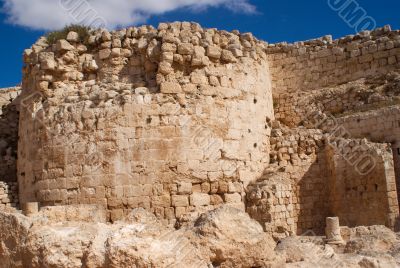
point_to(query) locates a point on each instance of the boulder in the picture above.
(232, 239)
(14, 229)
(73, 37)
(63, 45)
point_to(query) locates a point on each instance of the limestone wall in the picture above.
(180, 119)
(380, 125)
(8, 195)
(172, 120)
(314, 175)
(325, 62)
(8, 134)
(321, 64)
(362, 95)
(292, 197)
(363, 196)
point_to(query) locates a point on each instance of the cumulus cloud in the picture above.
(54, 14)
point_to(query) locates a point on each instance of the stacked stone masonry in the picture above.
(170, 120)
(9, 195)
(8, 134)
(370, 124)
(181, 119)
(325, 62)
(317, 175)
(358, 96)
(363, 184)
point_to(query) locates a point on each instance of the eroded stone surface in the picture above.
(221, 237)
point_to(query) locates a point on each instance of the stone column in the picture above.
(30, 208)
(332, 231)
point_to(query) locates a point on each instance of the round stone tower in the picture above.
(173, 119)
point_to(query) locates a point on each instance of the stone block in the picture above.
(106, 36)
(205, 187)
(104, 53)
(168, 47)
(185, 49)
(117, 192)
(116, 43)
(158, 189)
(366, 58)
(73, 37)
(196, 188)
(161, 201)
(189, 88)
(199, 199)
(199, 51)
(184, 187)
(214, 52)
(235, 187)
(167, 57)
(159, 212)
(114, 202)
(165, 68)
(63, 45)
(170, 88)
(179, 59)
(197, 78)
(180, 201)
(233, 198)
(116, 214)
(115, 52)
(228, 56)
(100, 191)
(147, 189)
(132, 191)
(214, 187)
(213, 176)
(179, 211)
(216, 200)
(169, 213)
(136, 202)
(48, 64)
(223, 187)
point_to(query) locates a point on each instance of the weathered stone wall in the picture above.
(325, 62)
(180, 119)
(314, 175)
(9, 195)
(292, 196)
(380, 125)
(171, 120)
(274, 204)
(350, 80)
(362, 95)
(362, 184)
(8, 134)
(301, 72)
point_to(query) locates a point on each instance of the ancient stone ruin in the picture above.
(189, 123)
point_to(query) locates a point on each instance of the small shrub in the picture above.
(83, 32)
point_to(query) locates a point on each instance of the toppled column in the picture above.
(332, 231)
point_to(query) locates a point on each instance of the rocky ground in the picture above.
(225, 237)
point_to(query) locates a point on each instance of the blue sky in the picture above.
(273, 21)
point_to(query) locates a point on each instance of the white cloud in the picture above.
(54, 14)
